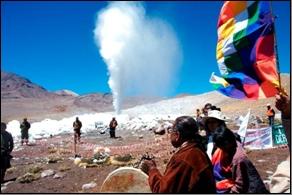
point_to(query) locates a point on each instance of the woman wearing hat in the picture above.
(214, 119)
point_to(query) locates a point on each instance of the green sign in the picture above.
(279, 137)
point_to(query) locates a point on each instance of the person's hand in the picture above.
(283, 104)
(147, 165)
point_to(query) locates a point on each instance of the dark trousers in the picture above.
(2, 174)
(5, 164)
(271, 120)
(112, 133)
(77, 134)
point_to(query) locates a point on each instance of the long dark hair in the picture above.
(223, 135)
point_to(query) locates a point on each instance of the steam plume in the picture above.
(142, 53)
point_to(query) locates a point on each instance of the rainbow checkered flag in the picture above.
(245, 51)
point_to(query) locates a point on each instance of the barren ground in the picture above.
(265, 161)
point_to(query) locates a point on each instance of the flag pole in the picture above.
(276, 48)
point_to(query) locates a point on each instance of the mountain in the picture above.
(21, 98)
(103, 102)
(66, 92)
(14, 87)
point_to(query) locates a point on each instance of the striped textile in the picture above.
(245, 51)
(222, 174)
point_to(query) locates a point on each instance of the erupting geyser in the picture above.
(142, 54)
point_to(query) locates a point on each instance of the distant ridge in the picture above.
(14, 86)
(66, 92)
(20, 97)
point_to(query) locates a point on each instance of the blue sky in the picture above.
(52, 43)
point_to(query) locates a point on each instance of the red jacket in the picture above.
(188, 171)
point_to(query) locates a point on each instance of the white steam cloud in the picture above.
(142, 53)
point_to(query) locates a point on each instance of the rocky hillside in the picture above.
(187, 104)
(22, 98)
(66, 92)
(16, 87)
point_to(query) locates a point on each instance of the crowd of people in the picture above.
(188, 170)
(217, 164)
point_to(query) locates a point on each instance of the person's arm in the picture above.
(283, 104)
(176, 178)
(11, 143)
(239, 175)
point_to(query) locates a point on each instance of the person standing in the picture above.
(270, 114)
(199, 119)
(6, 148)
(24, 126)
(77, 130)
(189, 169)
(214, 119)
(280, 180)
(113, 124)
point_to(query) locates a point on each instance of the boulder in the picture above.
(47, 173)
(35, 169)
(53, 159)
(59, 175)
(27, 178)
(121, 160)
(83, 164)
(88, 186)
(64, 168)
(77, 161)
(3, 188)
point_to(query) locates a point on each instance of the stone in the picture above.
(47, 173)
(77, 161)
(88, 186)
(59, 175)
(27, 178)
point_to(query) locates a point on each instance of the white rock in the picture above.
(59, 175)
(261, 160)
(3, 188)
(47, 173)
(88, 185)
(7, 183)
(77, 161)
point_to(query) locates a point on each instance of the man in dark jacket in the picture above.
(6, 148)
(113, 124)
(189, 169)
(77, 129)
(25, 125)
